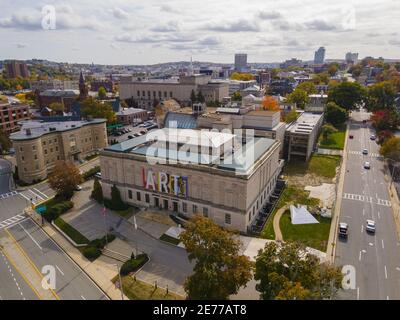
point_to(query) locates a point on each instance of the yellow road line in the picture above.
(22, 275)
(30, 261)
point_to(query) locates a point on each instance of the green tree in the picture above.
(64, 178)
(333, 69)
(236, 96)
(57, 107)
(102, 93)
(347, 95)
(220, 270)
(96, 109)
(291, 116)
(287, 271)
(5, 142)
(328, 129)
(193, 97)
(381, 95)
(241, 76)
(390, 149)
(116, 202)
(200, 97)
(321, 78)
(299, 97)
(97, 193)
(335, 114)
(307, 86)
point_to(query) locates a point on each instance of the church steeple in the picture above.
(83, 91)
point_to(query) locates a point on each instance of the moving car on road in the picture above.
(367, 165)
(98, 175)
(343, 230)
(365, 151)
(370, 226)
(373, 137)
(78, 188)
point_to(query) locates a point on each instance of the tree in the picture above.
(381, 95)
(299, 97)
(390, 149)
(321, 78)
(356, 70)
(387, 119)
(57, 107)
(200, 97)
(333, 69)
(102, 93)
(327, 129)
(97, 193)
(65, 178)
(308, 87)
(291, 116)
(5, 142)
(219, 269)
(236, 96)
(96, 109)
(347, 95)
(270, 103)
(241, 76)
(193, 97)
(116, 202)
(334, 114)
(288, 271)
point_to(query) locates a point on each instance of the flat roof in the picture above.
(39, 128)
(128, 111)
(305, 123)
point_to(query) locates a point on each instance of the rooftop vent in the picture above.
(28, 132)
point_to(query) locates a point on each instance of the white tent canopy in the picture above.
(300, 215)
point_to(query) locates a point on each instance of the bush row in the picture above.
(90, 173)
(53, 212)
(134, 264)
(93, 250)
(71, 232)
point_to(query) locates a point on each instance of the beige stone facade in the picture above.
(232, 201)
(39, 145)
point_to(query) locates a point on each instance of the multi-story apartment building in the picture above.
(319, 56)
(241, 62)
(11, 113)
(132, 116)
(16, 69)
(54, 84)
(148, 92)
(39, 145)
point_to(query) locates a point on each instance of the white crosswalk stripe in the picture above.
(358, 197)
(8, 194)
(373, 155)
(13, 220)
(34, 195)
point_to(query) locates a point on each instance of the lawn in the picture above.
(169, 239)
(138, 290)
(312, 235)
(290, 194)
(335, 140)
(320, 165)
(71, 232)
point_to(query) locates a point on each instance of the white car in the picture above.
(365, 151)
(367, 165)
(78, 188)
(370, 226)
(373, 137)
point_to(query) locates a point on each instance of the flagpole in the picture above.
(105, 224)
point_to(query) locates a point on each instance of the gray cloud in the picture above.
(170, 9)
(153, 38)
(269, 15)
(170, 26)
(236, 26)
(209, 41)
(119, 13)
(21, 45)
(320, 25)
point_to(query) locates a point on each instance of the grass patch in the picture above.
(290, 194)
(169, 239)
(335, 140)
(71, 232)
(133, 265)
(138, 290)
(312, 235)
(320, 165)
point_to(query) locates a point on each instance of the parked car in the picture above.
(365, 151)
(78, 188)
(373, 137)
(130, 137)
(343, 230)
(367, 165)
(370, 226)
(98, 175)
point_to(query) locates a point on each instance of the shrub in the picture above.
(97, 193)
(101, 243)
(116, 202)
(91, 253)
(134, 264)
(90, 173)
(54, 211)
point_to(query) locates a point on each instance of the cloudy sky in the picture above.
(153, 31)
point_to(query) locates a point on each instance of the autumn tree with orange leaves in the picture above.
(269, 103)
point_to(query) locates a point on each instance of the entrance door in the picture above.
(165, 204)
(157, 202)
(175, 206)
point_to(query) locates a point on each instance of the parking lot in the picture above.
(130, 131)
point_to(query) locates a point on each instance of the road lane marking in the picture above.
(385, 273)
(30, 236)
(362, 228)
(379, 215)
(383, 245)
(358, 293)
(59, 270)
(30, 261)
(83, 298)
(363, 212)
(24, 196)
(40, 192)
(359, 256)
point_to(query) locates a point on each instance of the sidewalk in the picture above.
(99, 271)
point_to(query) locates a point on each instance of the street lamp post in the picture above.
(120, 281)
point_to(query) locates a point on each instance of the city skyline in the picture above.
(130, 32)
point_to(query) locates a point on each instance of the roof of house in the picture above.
(180, 121)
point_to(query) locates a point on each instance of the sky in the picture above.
(156, 31)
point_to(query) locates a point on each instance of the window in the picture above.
(44, 143)
(33, 147)
(130, 194)
(228, 218)
(170, 94)
(205, 212)
(20, 149)
(35, 157)
(194, 208)
(147, 198)
(45, 151)
(138, 197)
(184, 206)
(23, 158)
(138, 93)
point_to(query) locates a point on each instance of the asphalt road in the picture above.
(376, 258)
(12, 284)
(5, 176)
(71, 282)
